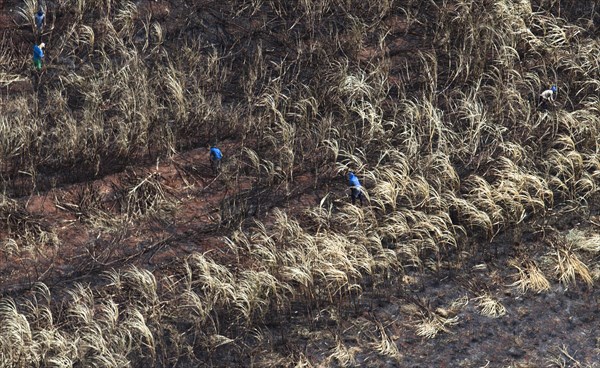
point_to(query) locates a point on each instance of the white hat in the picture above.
(42, 45)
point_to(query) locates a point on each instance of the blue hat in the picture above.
(553, 88)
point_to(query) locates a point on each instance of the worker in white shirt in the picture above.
(548, 95)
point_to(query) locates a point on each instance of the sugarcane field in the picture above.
(300, 183)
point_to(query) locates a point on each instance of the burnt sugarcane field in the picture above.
(300, 183)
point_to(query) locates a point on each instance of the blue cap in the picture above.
(553, 88)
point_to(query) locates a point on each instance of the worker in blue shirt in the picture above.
(215, 159)
(356, 188)
(38, 55)
(40, 18)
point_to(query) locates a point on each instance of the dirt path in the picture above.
(200, 210)
(84, 247)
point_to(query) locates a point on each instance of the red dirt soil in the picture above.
(83, 249)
